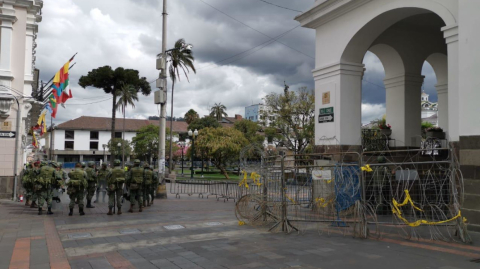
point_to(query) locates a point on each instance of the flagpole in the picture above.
(50, 92)
(51, 137)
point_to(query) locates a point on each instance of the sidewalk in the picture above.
(198, 233)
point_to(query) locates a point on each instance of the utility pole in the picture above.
(162, 190)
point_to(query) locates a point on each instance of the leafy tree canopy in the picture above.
(191, 115)
(116, 150)
(295, 117)
(206, 122)
(250, 130)
(222, 145)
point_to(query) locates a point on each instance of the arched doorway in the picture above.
(402, 37)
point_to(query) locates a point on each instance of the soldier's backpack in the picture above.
(117, 177)
(148, 177)
(137, 178)
(75, 183)
(44, 179)
(90, 174)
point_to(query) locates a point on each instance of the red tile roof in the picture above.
(105, 124)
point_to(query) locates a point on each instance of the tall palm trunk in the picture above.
(114, 114)
(170, 165)
(123, 139)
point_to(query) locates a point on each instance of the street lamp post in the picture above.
(119, 145)
(104, 156)
(192, 135)
(182, 146)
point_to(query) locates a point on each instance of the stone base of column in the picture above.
(341, 153)
(469, 152)
(161, 192)
(6, 187)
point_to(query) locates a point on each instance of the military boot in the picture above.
(89, 204)
(110, 211)
(81, 211)
(49, 212)
(131, 209)
(33, 205)
(119, 211)
(40, 211)
(71, 212)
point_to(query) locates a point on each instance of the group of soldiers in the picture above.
(41, 179)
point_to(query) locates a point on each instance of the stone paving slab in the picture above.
(210, 238)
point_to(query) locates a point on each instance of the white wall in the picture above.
(469, 65)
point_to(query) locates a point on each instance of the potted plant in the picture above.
(435, 132)
(385, 129)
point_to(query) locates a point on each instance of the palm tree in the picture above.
(127, 96)
(218, 111)
(191, 115)
(181, 58)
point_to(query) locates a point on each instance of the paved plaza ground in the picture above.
(199, 233)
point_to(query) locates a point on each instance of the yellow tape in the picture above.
(321, 202)
(241, 223)
(367, 168)
(253, 176)
(408, 199)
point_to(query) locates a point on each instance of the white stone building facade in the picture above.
(19, 26)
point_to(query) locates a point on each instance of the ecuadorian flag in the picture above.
(61, 84)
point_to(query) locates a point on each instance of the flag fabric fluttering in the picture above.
(34, 140)
(52, 102)
(61, 85)
(42, 123)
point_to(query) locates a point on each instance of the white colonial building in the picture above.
(403, 34)
(18, 32)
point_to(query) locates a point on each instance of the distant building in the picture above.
(82, 139)
(429, 110)
(254, 112)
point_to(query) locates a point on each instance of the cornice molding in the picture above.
(344, 68)
(328, 11)
(450, 33)
(405, 79)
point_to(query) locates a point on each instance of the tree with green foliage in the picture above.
(111, 81)
(181, 58)
(128, 95)
(191, 115)
(116, 151)
(145, 143)
(221, 145)
(218, 111)
(206, 122)
(272, 133)
(251, 131)
(295, 117)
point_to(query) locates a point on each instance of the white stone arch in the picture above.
(439, 63)
(391, 60)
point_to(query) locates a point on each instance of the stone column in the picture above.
(404, 112)
(442, 92)
(339, 86)
(8, 19)
(451, 37)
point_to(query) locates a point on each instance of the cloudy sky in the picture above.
(237, 62)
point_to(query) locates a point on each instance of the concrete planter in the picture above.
(386, 132)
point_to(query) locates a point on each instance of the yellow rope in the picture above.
(408, 200)
(321, 202)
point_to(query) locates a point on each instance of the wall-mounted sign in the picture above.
(326, 115)
(7, 134)
(325, 98)
(6, 126)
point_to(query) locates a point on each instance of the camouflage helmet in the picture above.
(60, 164)
(29, 165)
(55, 164)
(91, 164)
(116, 162)
(136, 161)
(146, 166)
(83, 164)
(104, 164)
(43, 163)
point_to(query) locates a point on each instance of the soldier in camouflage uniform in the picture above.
(43, 186)
(148, 184)
(27, 182)
(77, 184)
(115, 179)
(92, 183)
(102, 182)
(34, 174)
(134, 181)
(55, 183)
(154, 186)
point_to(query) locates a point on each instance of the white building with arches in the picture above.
(403, 34)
